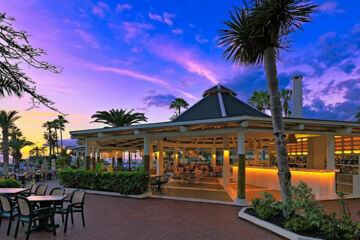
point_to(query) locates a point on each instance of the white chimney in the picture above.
(297, 100)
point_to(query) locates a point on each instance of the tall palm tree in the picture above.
(16, 145)
(7, 121)
(255, 34)
(285, 96)
(260, 100)
(119, 117)
(177, 104)
(50, 136)
(61, 121)
(358, 115)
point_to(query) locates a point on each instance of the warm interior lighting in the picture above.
(226, 153)
(291, 139)
(214, 156)
(338, 152)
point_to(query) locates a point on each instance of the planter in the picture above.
(271, 227)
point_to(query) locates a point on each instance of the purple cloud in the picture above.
(165, 18)
(122, 7)
(330, 7)
(158, 100)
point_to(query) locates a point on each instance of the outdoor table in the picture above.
(12, 191)
(46, 201)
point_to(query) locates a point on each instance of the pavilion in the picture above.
(221, 130)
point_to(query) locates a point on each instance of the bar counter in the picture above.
(322, 181)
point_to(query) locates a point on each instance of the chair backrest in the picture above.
(3, 177)
(5, 203)
(24, 206)
(29, 186)
(12, 176)
(77, 196)
(41, 190)
(57, 191)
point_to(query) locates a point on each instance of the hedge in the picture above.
(123, 182)
(9, 183)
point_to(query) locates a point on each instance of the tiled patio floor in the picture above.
(123, 218)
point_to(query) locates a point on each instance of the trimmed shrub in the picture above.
(265, 207)
(123, 182)
(9, 183)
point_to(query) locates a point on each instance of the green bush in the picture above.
(9, 183)
(123, 182)
(305, 214)
(266, 207)
(303, 205)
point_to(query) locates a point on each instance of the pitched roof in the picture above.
(218, 102)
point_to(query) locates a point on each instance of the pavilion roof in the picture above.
(218, 102)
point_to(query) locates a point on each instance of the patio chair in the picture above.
(29, 186)
(28, 214)
(58, 206)
(154, 182)
(2, 177)
(77, 202)
(41, 190)
(7, 210)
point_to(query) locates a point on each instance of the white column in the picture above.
(151, 156)
(92, 151)
(86, 148)
(330, 155)
(213, 156)
(161, 158)
(226, 162)
(98, 154)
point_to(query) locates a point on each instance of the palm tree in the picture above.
(358, 115)
(7, 121)
(177, 104)
(50, 136)
(37, 151)
(61, 121)
(255, 35)
(119, 117)
(260, 100)
(16, 145)
(285, 96)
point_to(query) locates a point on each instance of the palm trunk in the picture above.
(61, 142)
(16, 157)
(56, 142)
(5, 134)
(278, 124)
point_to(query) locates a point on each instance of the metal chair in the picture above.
(28, 214)
(41, 190)
(76, 205)
(29, 186)
(58, 206)
(8, 210)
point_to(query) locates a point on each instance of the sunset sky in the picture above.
(143, 54)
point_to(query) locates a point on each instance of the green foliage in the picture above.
(266, 207)
(123, 182)
(297, 224)
(119, 117)
(305, 214)
(9, 183)
(303, 204)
